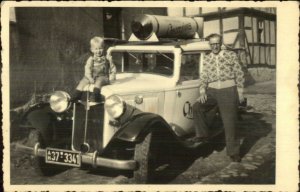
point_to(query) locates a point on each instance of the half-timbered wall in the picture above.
(242, 28)
(261, 39)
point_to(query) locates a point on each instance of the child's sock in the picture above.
(97, 93)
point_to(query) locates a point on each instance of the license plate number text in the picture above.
(63, 157)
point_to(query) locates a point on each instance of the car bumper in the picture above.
(91, 159)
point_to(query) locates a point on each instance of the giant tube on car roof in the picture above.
(145, 26)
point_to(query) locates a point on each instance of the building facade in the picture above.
(49, 45)
(251, 29)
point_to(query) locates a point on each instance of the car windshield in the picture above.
(144, 62)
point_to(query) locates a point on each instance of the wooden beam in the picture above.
(236, 30)
(241, 31)
(263, 44)
(261, 66)
(265, 52)
(252, 40)
(244, 11)
(235, 40)
(247, 45)
(275, 42)
(270, 41)
(220, 20)
(259, 54)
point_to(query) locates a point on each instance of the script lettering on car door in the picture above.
(188, 110)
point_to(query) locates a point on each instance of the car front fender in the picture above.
(39, 117)
(140, 125)
(52, 126)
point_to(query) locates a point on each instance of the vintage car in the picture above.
(144, 114)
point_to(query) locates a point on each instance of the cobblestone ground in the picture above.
(207, 165)
(257, 148)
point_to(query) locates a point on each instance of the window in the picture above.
(144, 62)
(260, 31)
(189, 67)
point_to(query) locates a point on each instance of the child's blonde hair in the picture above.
(97, 41)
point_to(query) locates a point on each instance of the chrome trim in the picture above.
(138, 99)
(87, 147)
(86, 117)
(121, 101)
(30, 150)
(36, 148)
(73, 127)
(94, 163)
(86, 158)
(68, 100)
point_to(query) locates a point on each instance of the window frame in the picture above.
(200, 58)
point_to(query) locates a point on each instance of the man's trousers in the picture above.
(226, 100)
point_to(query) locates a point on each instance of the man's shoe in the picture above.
(235, 158)
(76, 96)
(92, 97)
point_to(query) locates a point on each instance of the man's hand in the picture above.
(203, 96)
(91, 80)
(241, 94)
(112, 77)
(109, 58)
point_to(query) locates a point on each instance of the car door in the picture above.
(187, 92)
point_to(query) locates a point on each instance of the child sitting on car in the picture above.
(98, 70)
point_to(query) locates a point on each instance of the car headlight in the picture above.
(114, 106)
(59, 101)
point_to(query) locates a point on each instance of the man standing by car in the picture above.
(221, 85)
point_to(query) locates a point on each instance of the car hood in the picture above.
(137, 83)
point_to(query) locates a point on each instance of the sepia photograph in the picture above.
(131, 94)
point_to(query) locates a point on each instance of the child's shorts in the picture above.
(99, 82)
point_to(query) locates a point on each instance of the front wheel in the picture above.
(38, 163)
(151, 155)
(143, 154)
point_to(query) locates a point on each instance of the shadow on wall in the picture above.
(46, 43)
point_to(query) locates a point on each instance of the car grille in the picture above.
(93, 120)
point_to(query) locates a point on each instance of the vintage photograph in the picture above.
(142, 95)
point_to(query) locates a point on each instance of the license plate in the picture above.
(63, 157)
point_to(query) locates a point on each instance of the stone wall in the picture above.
(260, 74)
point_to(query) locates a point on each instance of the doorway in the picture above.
(112, 23)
